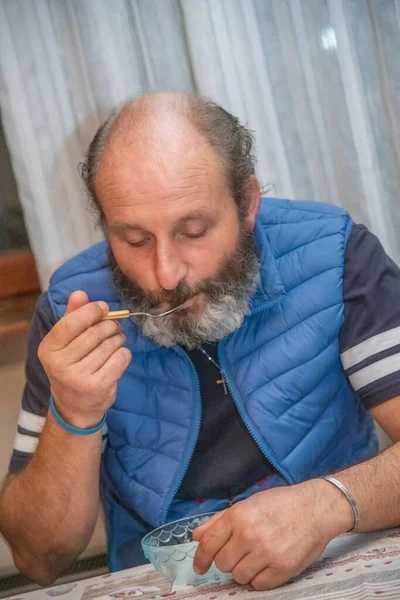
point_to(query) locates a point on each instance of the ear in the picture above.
(253, 198)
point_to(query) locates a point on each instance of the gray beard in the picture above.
(228, 298)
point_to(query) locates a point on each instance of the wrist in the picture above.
(72, 421)
(337, 513)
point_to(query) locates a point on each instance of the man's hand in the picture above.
(274, 535)
(83, 356)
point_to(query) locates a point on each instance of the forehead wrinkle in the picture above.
(138, 199)
(138, 192)
(187, 165)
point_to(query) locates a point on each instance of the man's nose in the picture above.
(170, 267)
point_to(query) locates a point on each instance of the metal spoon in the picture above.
(125, 314)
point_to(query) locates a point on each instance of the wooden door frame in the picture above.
(19, 290)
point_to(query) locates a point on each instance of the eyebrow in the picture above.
(123, 227)
(194, 216)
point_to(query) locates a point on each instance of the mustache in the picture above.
(181, 294)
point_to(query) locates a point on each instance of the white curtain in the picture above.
(317, 80)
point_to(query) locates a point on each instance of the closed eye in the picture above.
(191, 236)
(138, 244)
(195, 236)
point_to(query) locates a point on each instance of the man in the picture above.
(263, 381)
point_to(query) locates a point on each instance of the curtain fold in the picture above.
(317, 81)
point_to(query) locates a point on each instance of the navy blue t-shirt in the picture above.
(226, 459)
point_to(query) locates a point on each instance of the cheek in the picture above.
(135, 265)
(205, 259)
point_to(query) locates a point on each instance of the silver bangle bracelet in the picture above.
(349, 497)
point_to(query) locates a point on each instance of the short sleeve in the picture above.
(35, 399)
(370, 335)
(36, 395)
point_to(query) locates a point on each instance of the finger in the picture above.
(199, 531)
(76, 300)
(249, 567)
(211, 542)
(230, 555)
(90, 339)
(115, 366)
(269, 579)
(75, 323)
(100, 355)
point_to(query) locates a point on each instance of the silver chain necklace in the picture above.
(222, 380)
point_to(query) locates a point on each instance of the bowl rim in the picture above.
(144, 541)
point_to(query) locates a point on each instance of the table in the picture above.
(353, 567)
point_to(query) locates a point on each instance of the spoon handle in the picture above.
(118, 314)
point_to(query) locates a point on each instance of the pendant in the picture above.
(224, 385)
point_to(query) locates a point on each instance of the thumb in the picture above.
(76, 300)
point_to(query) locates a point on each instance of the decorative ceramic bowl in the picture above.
(171, 549)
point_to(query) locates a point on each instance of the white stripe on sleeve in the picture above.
(375, 344)
(25, 443)
(35, 424)
(376, 371)
(31, 422)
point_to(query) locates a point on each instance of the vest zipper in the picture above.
(197, 418)
(263, 449)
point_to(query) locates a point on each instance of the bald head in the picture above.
(156, 136)
(154, 118)
(161, 131)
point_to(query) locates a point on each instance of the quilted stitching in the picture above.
(293, 368)
(297, 248)
(141, 415)
(265, 343)
(315, 276)
(325, 409)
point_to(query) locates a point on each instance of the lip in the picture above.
(161, 309)
(165, 307)
(190, 302)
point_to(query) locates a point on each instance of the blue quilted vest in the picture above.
(282, 366)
